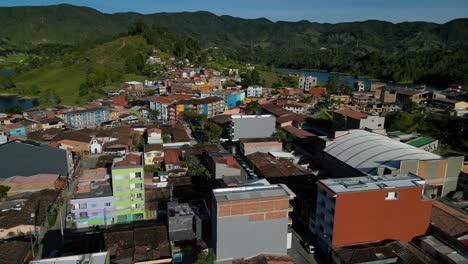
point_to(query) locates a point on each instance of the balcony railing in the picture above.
(290, 208)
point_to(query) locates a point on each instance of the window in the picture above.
(139, 195)
(132, 186)
(138, 175)
(391, 196)
(93, 205)
(83, 206)
(139, 186)
(94, 214)
(118, 188)
(83, 215)
(108, 204)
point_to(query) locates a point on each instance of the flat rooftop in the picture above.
(372, 183)
(100, 189)
(252, 192)
(251, 116)
(93, 258)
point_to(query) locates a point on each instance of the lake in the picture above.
(322, 77)
(7, 72)
(9, 101)
(12, 100)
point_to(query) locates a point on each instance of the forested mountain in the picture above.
(71, 24)
(419, 52)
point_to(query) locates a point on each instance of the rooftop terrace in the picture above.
(252, 192)
(372, 183)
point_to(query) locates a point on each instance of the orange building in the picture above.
(368, 209)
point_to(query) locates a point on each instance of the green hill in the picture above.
(73, 24)
(64, 76)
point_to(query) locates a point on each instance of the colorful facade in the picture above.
(128, 188)
(360, 210)
(232, 98)
(88, 118)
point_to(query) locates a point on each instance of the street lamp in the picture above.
(33, 218)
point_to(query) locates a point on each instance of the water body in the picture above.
(9, 101)
(322, 77)
(12, 100)
(7, 72)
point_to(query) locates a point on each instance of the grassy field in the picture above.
(65, 80)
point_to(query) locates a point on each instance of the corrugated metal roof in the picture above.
(368, 151)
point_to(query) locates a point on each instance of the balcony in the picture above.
(290, 221)
(290, 208)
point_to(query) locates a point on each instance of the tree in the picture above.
(253, 108)
(3, 191)
(167, 138)
(192, 161)
(204, 258)
(84, 88)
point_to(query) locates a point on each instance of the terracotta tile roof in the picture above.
(129, 160)
(14, 252)
(317, 92)
(172, 156)
(14, 125)
(153, 147)
(275, 109)
(352, 114)
(265, 259)
(290, 117)
(38, 202)
(207, 100)
(449, 220)
(299, 133)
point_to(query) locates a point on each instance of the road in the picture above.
(298, 253)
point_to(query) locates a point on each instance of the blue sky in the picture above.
(439, 11)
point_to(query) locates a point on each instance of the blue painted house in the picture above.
(16, 129)
(87, 118)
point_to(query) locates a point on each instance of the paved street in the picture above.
(298, 252)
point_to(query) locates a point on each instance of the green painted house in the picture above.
(128, 188)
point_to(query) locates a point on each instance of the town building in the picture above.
(250, 126)
(92, 258)
(209, 106)
(18, 220)
(307, 82)
(251, 220)
(254, 91)
(184, 223)
(231, 98)
(174, 163)
(142, 244)
(318, 92)
(376, 207)
(425, 143)
(350, 119)
(223, 164)
(413, 96)
(155, 136)
(128, 188)
(248, 146)
(359, 86)
(33, 183)
(54, 122)
(381, 252)
(375, 154)
(92, 204)
(36, 158)
(87, 118)
(154, 154)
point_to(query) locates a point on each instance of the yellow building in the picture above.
(461, 105)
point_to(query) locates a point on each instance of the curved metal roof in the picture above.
(368, 151)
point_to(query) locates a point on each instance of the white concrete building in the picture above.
(306, 82)
(255, 91)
